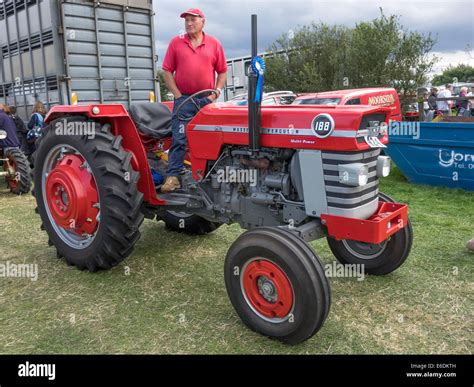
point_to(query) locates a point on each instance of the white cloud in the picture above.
(453, 58)
(229, 20)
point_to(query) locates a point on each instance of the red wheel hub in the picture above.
(268, 289)
(10, 167)
(72, 195)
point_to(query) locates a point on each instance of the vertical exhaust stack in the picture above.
(253, 107)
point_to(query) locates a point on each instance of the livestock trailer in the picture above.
(64, 52)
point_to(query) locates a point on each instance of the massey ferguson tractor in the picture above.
(287, 174)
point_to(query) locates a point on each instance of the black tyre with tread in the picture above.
(21, 183)
(120, 199)
(188, 223)
(386, 259)
(304, 271)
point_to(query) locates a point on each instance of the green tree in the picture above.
(383, 53)
(375, 53)
(310, 59)
(463, 73)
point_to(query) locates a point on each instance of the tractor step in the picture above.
(175, 198)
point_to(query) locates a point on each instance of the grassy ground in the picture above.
(169, 297)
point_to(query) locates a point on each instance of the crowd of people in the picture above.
(20, 135)
(435, 102)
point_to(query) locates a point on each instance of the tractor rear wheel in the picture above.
(18, 167)
(378, 259)
(188, 223)
(277, 284)
(87, 196)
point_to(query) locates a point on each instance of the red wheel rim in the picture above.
(268, 289)
(12, 179)
(72, 195)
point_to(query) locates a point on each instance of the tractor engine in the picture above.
(251, 191)
(286, 186)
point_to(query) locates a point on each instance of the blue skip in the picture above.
(434, 153)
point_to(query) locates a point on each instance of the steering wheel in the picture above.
(191, 97)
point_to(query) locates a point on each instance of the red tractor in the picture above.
(288, 174)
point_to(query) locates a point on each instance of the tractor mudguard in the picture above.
(122, 124)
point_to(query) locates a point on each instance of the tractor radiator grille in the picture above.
(343, 200)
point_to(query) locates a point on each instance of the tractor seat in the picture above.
(152, 119)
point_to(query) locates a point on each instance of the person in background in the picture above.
(463, 105)
(37, 117)
(428, 113)
(7, 124)
(432, 98)
(444, 106)
(21, 130)
(471, 101)
(35, 126)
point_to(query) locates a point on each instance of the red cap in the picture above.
(193, 11)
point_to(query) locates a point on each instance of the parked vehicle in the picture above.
(376, 96)
(272, 98)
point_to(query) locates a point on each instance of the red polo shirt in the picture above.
(195, 69)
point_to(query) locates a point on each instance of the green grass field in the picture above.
(169, 296)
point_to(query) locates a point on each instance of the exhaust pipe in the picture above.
(253, 107)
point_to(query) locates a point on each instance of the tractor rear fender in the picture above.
(121, 124)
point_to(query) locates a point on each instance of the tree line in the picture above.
(380, 52)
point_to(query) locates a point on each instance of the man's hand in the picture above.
(171, 84)
(214, 96)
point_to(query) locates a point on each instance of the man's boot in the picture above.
(171, 184)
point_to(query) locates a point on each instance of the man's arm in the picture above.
(171, 84)
(220, 83)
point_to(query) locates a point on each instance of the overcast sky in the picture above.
(451, 21)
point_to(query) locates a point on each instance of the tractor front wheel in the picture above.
(277, 284)
(377, 259)
(87, 196)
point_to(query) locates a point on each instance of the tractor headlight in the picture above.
(383, 166)
(355, 175)
(3, 135)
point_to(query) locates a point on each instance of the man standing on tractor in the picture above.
(190, 65)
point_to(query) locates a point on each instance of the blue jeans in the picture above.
(178, 148)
